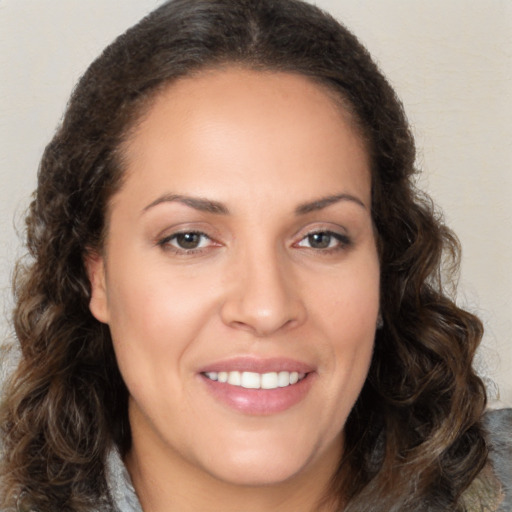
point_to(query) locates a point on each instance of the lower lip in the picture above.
(262, 402)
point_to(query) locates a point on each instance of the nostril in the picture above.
(241, 325)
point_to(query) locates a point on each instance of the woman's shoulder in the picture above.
(491, 491)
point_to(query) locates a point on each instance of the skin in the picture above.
(259, 145)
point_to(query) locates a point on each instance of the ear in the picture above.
(95, 268)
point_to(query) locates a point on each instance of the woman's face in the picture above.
(241, 248)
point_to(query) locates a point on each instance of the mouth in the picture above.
(254, 380)
(258, 386)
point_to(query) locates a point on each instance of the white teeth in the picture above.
(234, 378)
(253, 380)
(283, 379)
(269, 381)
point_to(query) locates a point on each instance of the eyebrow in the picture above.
(218, 208)
(324, 202)
(198, 203)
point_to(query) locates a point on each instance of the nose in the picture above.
(263, 296)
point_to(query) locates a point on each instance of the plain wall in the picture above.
(450, 62)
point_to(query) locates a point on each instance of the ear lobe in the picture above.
(95, 268)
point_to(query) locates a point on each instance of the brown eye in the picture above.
(320, 240)
(188, 240)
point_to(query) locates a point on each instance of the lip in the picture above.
(259, 402)
(258, 365)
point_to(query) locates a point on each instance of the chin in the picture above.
(255, 473)
(268, 464)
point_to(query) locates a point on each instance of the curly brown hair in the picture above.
(414, 440)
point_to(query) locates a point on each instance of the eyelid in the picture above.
(167, 230)
(165, 242)
(337, 232)
(344, 240)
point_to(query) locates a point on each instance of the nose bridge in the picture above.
(264, 297)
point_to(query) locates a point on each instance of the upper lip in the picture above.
(258, 365)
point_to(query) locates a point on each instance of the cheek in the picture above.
(151, 295)
(345, 310)
(155, 316)
(346, 302)
(154, 323)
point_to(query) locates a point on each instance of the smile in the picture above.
(254, 380)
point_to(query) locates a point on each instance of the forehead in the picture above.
(247, 126)
(247, 87)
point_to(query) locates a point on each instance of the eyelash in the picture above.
(342, 242)
(166, 243)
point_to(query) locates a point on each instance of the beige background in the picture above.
(450, 61)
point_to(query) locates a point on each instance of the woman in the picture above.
(234, 297)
